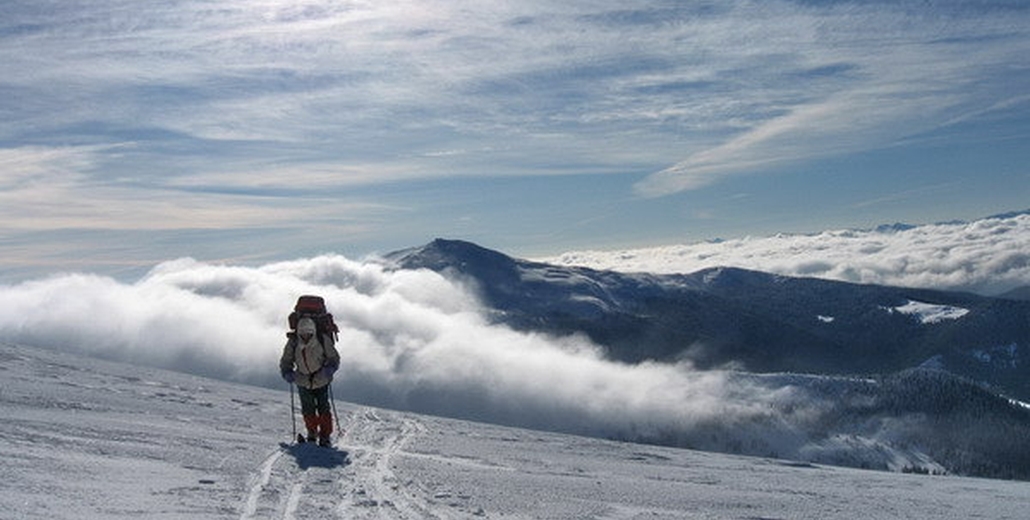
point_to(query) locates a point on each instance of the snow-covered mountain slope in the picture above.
(756, 321)
(82, 438)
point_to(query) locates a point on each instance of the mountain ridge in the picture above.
(759, 322)
(905, 379)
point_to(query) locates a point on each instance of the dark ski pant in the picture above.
(314, 405)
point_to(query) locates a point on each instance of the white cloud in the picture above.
(29, 166)
(986, 256)
(44, 188)
(409, 339)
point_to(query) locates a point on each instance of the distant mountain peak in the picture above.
(1010, 214)
(443, 253)
(494, 272)
(894, 228)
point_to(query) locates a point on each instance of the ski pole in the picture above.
(336, 415)
(293, 412)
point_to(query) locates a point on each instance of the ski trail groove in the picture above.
(364, 487)
(296, 493)
(372, 490)
(258, 483)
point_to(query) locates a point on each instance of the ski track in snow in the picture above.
(375, 488)
(353, 480)
(258, 485)
(296, 492)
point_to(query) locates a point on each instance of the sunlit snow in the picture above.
(83, 438)
(928, 313)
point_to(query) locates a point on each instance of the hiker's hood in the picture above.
(305, 326)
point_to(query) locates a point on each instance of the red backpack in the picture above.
(309, 306)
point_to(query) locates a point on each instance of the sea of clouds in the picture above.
(415, 340)
(410, 340)
(988, 256)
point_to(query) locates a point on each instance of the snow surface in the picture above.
(83, 438)
(928, 313)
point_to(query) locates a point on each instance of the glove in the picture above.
(328, 371)
(289, 376)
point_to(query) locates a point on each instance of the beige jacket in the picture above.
(306, 360)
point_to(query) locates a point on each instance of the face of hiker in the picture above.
(306, 329)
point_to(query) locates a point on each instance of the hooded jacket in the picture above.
(306, 359)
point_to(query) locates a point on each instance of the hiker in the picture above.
(309, 359)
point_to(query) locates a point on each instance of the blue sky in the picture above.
(247, 132)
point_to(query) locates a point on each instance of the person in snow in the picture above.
(310, 359)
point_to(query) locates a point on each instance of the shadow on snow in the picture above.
(310, 455)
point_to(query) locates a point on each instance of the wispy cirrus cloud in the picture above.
(336, 81)
(243, 103)
(871, 80)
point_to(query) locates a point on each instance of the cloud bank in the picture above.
(414, 340)
(409, 340)
(988, 256)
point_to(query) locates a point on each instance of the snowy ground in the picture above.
(82, 438)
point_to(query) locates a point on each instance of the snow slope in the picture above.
(82, 438)
(928, 313)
